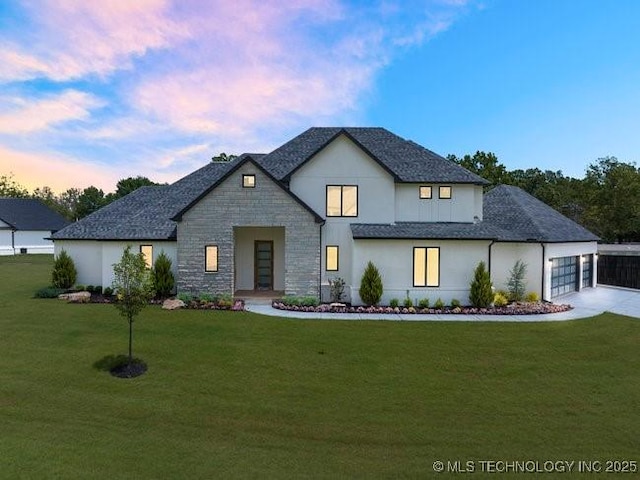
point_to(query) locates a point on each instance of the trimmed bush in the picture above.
(408, 302)
(423, 303)
(481, 294)
(500, 300)
(108, 292)
(394, 303)
(532, 297)
(516, 283)
(80, 288)
(64, 273)
(439, 305)
(371, 285)
(90, 288)
(48, 292)
(163, 279)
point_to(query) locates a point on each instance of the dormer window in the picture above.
(425, 191)
(445, 193)
(248, 181)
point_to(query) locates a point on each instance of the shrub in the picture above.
(394, 303)
(80, 288)
(293, 301)
(500, 300)
(64, 271)
(205, 297)
(89, 288)
(309, 302)
(516, 283)
(532, 297)
(108, 292)
(439, 305)
(455, 303)
(408, 302)
(423, 303)
(48, 292)
(97, 289)
(481, 294)
(225, 300)
(163, 279)
(336, 289)
(371, 285)
(185, 297)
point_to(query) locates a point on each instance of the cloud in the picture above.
(32, 115)
(74, 38)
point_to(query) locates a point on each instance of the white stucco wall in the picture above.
(344, 163)
(504, 256)
(394, 260)
(5, 240)
(245, 238)
(33, 240)
(94, 260)
(465, 203)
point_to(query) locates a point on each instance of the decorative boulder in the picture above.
(172, 304)
(76, 297)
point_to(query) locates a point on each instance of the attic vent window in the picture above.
(425, 191)
(248, 181)
(445, 192)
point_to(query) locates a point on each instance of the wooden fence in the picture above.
(619, 270)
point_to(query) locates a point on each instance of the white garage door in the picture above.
(564, 275)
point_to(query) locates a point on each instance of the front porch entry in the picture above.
(259, 259)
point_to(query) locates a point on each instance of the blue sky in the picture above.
(91, 92)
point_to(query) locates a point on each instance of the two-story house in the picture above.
(322, 206)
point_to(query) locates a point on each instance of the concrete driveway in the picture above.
(623, 301)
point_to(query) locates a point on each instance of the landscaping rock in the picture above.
(76, 297)
(173, 304)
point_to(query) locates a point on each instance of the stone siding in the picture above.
(212, 220)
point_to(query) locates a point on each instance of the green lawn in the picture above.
(231, 394)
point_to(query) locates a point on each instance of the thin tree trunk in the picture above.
(130, 340)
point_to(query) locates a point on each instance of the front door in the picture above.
(263, 261)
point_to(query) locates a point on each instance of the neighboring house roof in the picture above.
(509, 215)
(30, 214)
(405, 160)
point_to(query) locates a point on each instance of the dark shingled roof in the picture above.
(524, 217)
(420, 230)
(405, 160)
(510, 215)
(30, 214)
(146, 213)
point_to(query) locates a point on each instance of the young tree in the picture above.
(371, 285)
(481, 294)
(64, 271)
(133, 286)
(163, 279)
(516, 283)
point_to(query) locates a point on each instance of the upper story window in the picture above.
(425, 191)
(248, 181)
(147, 253)
(342, 200)
(444, 192)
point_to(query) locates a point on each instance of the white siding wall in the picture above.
(394, 260)
(555, 250)
(462, 206)
(33, 240)
(5, 239)
(344, 163)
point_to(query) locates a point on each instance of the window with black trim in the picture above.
(333, 254)
(444, 192)
(426, 266)
(248, 181)
(342, 200)
(211, 258)
(147, 253)
(425, 191)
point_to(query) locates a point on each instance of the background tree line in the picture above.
(606, 200)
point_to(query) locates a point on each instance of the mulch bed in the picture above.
(511, 309)
(129, 370)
